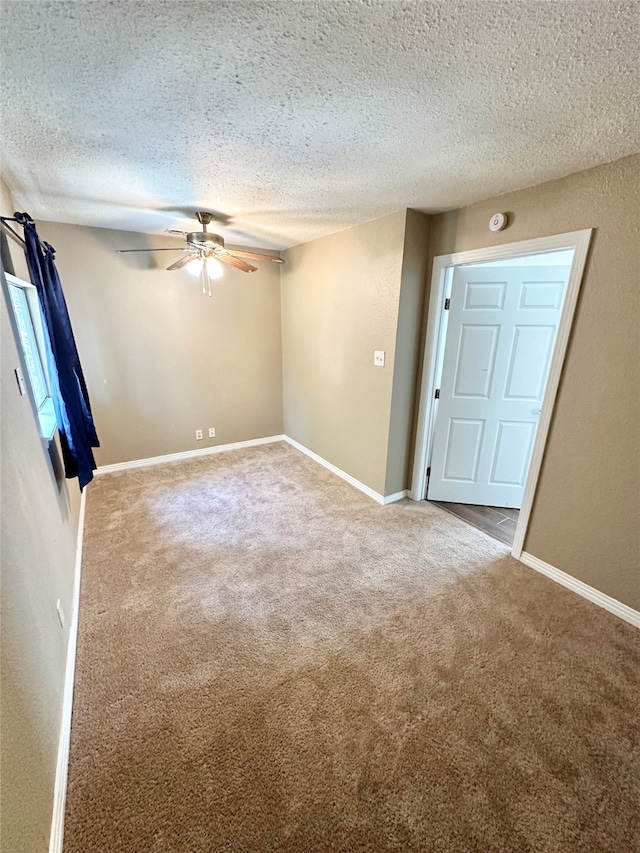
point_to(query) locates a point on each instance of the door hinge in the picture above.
(437, 394)
(447, 304)
(429, 471)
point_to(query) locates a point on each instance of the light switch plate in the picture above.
(378, 358)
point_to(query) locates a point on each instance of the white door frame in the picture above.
(576, 240)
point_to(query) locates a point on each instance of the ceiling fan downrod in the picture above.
(204, 239)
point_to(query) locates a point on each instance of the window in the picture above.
(26, 310)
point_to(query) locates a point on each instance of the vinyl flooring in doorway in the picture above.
(499, 522)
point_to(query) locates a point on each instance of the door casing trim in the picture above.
(579, 241)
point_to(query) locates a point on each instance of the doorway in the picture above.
(499, 522)
(497, 340)
(497, 330)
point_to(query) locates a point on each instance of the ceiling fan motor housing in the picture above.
(205, 240)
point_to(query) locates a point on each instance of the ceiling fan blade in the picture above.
(164, 249)
(255, 257)
(182, 262)
(235, 262)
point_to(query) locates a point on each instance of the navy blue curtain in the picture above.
(68, 387)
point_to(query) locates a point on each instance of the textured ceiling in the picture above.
(297, 119)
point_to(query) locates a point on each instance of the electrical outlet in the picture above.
(212, 432)
(378, 358)
(198, 435)
(60, 613)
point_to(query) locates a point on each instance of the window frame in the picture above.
(45, 411)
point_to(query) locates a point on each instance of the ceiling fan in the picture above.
(205, 253)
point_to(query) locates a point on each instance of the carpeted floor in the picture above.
(269, 661)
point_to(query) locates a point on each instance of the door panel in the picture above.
(484, 295)
(542, 294)
(531, 352)
(476, 357)
(501, 331)
(462, 452)
(512, 449)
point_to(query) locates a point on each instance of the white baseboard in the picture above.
(238, 445)
(186, 454)
(398, 496)
(62, 767)
(334, 470)
(377, 497)
(594, 595)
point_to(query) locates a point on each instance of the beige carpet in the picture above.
(269, 661)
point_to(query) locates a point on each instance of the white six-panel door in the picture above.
(501, 331)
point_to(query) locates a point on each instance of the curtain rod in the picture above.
(4, 220)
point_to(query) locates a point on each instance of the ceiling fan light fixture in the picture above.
(214, 268)
(206, 255)
(194, 267)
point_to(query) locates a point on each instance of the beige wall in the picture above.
(340, 297)
(407, 353)
(161, 359)
(585, 517)
(38, 530)
(343, 297)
